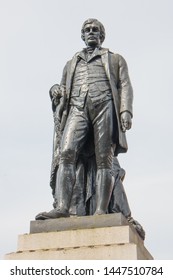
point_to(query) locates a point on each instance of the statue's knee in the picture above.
(104, 161)
(68, 156)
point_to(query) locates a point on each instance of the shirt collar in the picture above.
(96, 52)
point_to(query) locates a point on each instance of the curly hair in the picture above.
(102, 29)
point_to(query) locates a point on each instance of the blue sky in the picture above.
(37, 38)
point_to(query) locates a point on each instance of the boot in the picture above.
(64, 186)
(104, 187)
(63, 193)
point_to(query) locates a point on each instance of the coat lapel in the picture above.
(105, 61)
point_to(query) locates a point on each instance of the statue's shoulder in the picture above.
(76, 55)
(112, 54)
(116, 57)
(70, 62)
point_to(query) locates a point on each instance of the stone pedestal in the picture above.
(104, 237)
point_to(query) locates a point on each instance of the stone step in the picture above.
(78, 238)
(105, 252)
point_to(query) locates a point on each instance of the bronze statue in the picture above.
(92, 111)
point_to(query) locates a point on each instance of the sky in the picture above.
(38, 37)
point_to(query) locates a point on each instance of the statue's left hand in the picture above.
(55, 92)
(126, 121)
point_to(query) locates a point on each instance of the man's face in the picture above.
(92, 34)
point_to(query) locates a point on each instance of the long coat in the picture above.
(117, 72)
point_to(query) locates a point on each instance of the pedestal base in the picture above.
(104, 237)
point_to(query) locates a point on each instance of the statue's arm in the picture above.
(57, 92)
(126, 95)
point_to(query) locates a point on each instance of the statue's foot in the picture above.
(53, 214)
(99, 212)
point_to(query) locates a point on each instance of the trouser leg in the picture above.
(73, 139)
(104, 150)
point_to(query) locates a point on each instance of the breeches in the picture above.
(80, 123)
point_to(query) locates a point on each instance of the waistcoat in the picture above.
(90, 79)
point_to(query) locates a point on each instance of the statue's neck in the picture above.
(90, 49)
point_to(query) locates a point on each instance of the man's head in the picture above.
(93, 32)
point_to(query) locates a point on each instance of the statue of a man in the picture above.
(92, 110)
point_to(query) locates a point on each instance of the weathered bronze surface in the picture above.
(92, 110)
